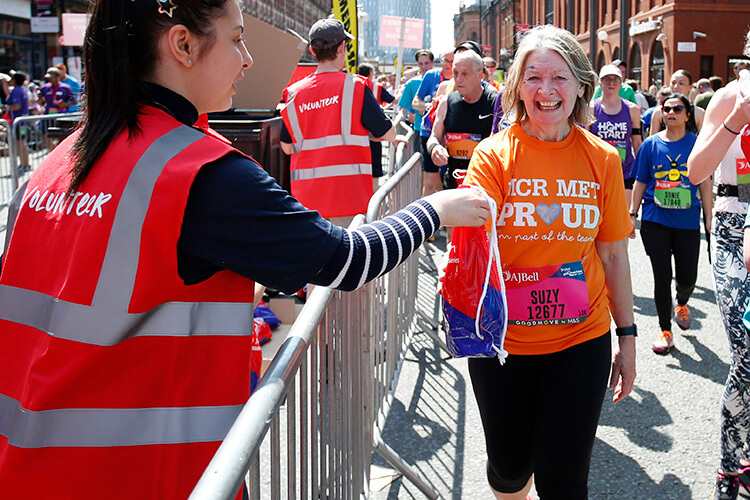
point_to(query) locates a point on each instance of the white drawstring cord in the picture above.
(494, 254)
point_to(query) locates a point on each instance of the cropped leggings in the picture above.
(540, 414)
(661, 244)
(732, 285)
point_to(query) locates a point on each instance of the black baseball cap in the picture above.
(331, 31)
(469, 45)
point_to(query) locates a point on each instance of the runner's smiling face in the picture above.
(549, 90)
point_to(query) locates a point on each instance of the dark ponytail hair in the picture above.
(120, 49)
(690, 126)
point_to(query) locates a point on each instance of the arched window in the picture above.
(634, 66)
(616, 55)
(600, 61)
(657, 64)
(474, 36)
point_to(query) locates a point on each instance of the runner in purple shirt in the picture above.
(58, 96)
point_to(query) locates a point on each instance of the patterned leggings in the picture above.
(732, 284)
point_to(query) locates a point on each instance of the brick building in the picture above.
(297, 15)
(704, 37)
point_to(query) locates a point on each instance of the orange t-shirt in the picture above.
(555, 200)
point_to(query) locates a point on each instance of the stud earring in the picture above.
(190, 62)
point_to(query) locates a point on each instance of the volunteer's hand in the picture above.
(400, 139)
(632, 233)
(460, 207)
(622, 377)
(439, 156)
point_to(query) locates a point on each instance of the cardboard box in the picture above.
(275, 56)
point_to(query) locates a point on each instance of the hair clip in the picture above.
(166, 7)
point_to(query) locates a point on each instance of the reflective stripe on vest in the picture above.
(333, 141)
(100, 326)
(305, 174)
(346, 137)
(107, 427)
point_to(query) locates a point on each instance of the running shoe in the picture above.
(664, 342)
(726, 487)
(682, 316)
(744, 478)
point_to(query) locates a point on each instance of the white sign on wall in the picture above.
(45, 25)
(686, 47)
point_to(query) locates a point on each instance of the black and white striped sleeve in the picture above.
(374, 249)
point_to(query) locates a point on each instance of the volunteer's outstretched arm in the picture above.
(238, 218)
(374, 249)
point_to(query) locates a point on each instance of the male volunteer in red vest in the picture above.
(329, 119)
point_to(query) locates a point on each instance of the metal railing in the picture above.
(330, 386)
(25, 144)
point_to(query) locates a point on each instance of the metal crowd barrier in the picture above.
(330, 386)
(25, 144)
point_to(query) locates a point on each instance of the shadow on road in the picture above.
(615, 476)
(433, 425)
(639, 417)
(708, 365)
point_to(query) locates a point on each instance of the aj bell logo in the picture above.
(520, 277)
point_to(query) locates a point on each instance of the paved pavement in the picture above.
(662, 442)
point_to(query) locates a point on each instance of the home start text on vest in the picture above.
(320, 103)
(610, 130)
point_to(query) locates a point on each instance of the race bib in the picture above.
(461, 146)
(672, 194)
(549, 295)
(743, 179)
(620, 150)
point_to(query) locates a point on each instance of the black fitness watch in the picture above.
(627, 331)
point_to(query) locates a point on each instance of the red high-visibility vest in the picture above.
(376, 89)
(331, 167)
(117, 380)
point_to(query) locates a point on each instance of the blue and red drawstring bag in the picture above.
(475, 311)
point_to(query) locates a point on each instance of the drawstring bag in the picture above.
(475, 312)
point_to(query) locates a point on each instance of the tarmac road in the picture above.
(660, 443)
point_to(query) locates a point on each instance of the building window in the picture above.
(707, 66)
(474, 36)
(549, 11)
(600, 61)
(657, 65)
(635, 62)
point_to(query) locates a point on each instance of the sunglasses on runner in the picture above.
(677, 109)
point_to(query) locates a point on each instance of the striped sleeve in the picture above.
(374, 249)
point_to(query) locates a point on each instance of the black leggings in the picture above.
(540, 414)
(661, 244)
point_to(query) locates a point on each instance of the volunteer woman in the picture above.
(670, 225)
(125, 306)
(718, 149)
(563, 229)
